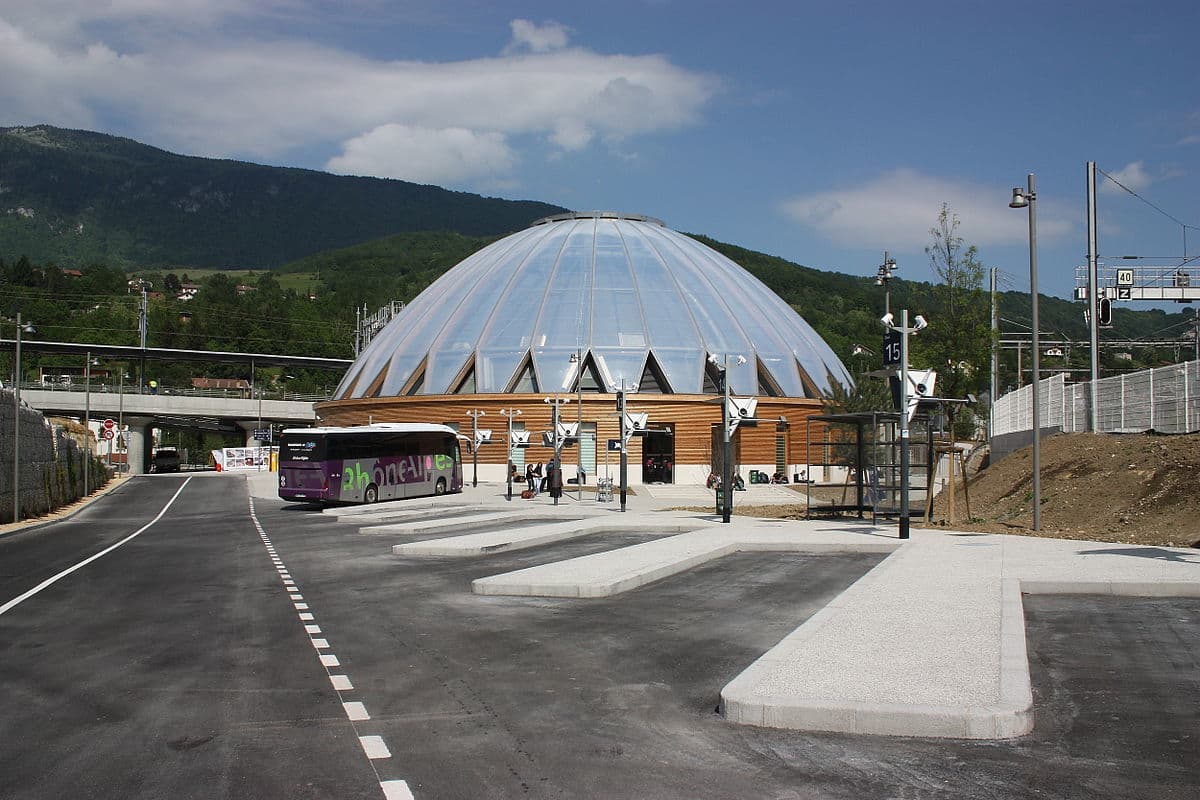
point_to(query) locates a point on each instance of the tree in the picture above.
(958, 342)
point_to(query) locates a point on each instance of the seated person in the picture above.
(713, 481)
(739, 485)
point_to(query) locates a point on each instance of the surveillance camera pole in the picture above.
(624, 445)
(509, 413)
(727, 456)
(475, 414)
(904, 465)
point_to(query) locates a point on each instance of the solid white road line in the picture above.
(16, 601)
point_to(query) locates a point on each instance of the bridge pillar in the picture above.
(137, 438)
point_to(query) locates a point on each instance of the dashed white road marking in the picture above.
(356, 711)
(396, 790)
(374, 747)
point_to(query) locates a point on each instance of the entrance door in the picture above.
(658, 456)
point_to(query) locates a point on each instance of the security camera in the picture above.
(741, 359)
(712, 359)
(919, 323)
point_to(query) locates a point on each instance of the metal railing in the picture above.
(1165, 400)
(236, 394)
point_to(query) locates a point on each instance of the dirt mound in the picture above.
(1136, 488)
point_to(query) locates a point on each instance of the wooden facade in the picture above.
(694, 421)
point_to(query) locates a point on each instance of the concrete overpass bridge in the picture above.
(144, 411)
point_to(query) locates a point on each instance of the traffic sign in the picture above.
(107, 433)
(614, 445)
(1124, 292)
(261, 434)
(1124, 277)
(109, 425)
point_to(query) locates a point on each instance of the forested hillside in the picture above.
(77, 198)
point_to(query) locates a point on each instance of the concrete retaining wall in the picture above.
(50, 470)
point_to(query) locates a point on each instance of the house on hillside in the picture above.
(237, 387)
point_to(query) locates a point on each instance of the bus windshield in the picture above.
(368, 463)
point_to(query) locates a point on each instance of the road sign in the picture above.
(109, 425)
(1124, 277)
(614, 445)
(261, 434)
(1124, 292)
(891, 349)
(107, 433)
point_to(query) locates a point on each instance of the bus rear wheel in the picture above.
(440, 486)
(371, 495)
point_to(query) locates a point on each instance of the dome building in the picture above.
(576, 307)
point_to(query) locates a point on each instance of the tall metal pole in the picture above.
(726, 449)
(17, 426)
(509, 413)
(904, 454)
(993, 388)
(579, 420)
(121, 420)
(87, 419)
(624, 445)
(475, 414)
(556, 473)
(1037, 420)
(1093, 300)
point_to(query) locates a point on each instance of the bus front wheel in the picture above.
(440, 486)
(371, 495)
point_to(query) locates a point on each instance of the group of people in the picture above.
(714, 482)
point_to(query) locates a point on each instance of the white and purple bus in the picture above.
(368, 463)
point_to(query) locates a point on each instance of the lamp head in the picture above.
(887, 319)
(1019, 198)
(919, 323)
(879, 281)
(712, 359)
(741, 360)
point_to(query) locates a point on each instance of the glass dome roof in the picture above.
(643, 304)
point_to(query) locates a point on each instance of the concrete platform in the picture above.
(498, 541)
(483, 518)
(931, 642)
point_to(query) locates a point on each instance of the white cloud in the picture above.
(529, 36)
(896, 210)
(425, 155)
(1132, 176)
(201, 89)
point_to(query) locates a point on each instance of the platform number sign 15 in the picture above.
(891, 349)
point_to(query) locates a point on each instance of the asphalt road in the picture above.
(177, 666)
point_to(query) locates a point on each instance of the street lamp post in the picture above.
(904, 330)
(509, 413)
(475, 414)
(577, 358)
(883, 278)
(555, 473)
(87, 419)
(1027, 198)
(26, 328)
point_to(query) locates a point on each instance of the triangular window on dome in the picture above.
(377, 384)
(526, 380)
(417, 382)
(767, 387)
(466, 384)
(588, 379)
(810, 386)
(653, 381)
(712, 378)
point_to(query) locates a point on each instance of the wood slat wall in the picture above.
(693, 418)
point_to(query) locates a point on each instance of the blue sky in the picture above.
(825, 133)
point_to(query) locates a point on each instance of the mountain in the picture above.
(78, 197)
